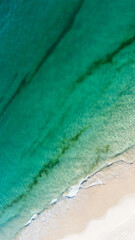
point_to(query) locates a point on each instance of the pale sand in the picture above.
(104, 212)
(118, 223)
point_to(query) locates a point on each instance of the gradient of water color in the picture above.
(67, 97)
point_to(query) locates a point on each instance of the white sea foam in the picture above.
(72, 191)
(54, 201)
(32, 218)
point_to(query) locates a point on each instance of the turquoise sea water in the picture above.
(67, 97)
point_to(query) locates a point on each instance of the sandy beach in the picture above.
(103, 211)
(117, 223)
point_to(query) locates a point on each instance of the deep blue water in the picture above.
(67, 97)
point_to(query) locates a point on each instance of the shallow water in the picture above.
(67, 95)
